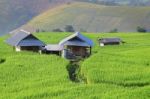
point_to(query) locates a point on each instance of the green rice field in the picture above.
(111, 72)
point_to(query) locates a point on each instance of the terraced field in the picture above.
(111, 72)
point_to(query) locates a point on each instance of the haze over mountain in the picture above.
(14, 13)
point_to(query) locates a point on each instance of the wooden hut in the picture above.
(76, 45)
(25, 41)
(53, 49)
(109, 41)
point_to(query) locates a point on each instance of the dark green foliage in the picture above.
(69, 28)
(2, 61)
(72, 69)
(57, 30)
(141, 29)
(114, 30)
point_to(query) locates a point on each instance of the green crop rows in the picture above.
(112, 72)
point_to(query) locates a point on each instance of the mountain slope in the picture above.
(93, 18)
(14, 13)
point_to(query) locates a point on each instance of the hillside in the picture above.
(93, 18)
(14, 13)
(113, 71)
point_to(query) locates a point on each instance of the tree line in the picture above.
(70, 28)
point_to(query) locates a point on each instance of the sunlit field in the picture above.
(111, 72)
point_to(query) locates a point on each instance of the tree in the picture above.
(57, 30)
(141, 29)
(82, 30)
(40, 30)
(43, 30)
(114, 31)
(69, 28)
(37, 30)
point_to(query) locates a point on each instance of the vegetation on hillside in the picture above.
(93, 18)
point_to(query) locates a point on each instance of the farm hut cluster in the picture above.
(72, 47)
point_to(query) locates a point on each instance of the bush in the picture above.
(40, 30)
(43, 30)
(2, 61)
(37, 30)
(82, 30)
(114, 31)
(141, 29)
(69, 28)
(57, 30)
(73, 69)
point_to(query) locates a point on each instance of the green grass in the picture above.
(112, 72)
(92, 18)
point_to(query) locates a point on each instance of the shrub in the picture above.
(141, 29)
(73, 69)
(57, 30)
(82, 30)
(69, 28)
(114, 31)
(37, 30)
(2, 61)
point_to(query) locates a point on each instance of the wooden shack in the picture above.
(76, 45)
(109, 41)
(25, 41)
(53, 49)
